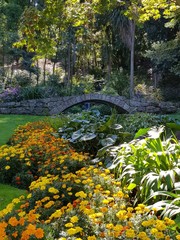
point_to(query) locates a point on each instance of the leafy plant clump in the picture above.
(89, 131)
(150, 167)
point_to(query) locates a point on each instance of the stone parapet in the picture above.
(56, 105)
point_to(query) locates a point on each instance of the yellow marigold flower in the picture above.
(118, 228)
(74, 219)
(21, 214)
(104, 209)
(178, 237)
(78, 229)
(69, 225)
(105, 201)
(148, 223)
(107, 171)
(109, 226)
(98, 186)
(16, 200)
(81, 194)
(56, 196)
(122, 214)
(71, 231)
(167, 238)
(45, 199)
(130, 233)
(7, 158)
(77, 180)
(154, 231)
(120, 194)
(7, 167)
(169, 221)
(62, 238)
(42, 188)
(142, 235)
(53, 190)
(159, 235)
(49, 204)
(160, 225)
(91, 238)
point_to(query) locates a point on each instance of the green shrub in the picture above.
(23, 79)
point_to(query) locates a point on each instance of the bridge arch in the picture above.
(118, 102)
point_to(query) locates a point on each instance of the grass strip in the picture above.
(8, 123)
(8, 193)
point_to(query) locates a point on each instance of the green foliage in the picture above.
(164, 56)
(119, 82)
(23, 80)
(57, 121)
(90, 131)
(170, 206)
(148, 92)
(150, 164)
(133, 122)
(32, 92)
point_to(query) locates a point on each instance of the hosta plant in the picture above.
(89, 131)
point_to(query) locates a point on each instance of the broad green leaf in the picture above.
(76, 135)
(107, 141)
(141, 132)
(173, 126)
(88, 136)
(131, 186)
(116, 126)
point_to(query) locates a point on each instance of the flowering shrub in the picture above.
(71, 199)
(10, 94)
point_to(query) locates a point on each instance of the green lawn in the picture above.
(8, 123)
(8, 193)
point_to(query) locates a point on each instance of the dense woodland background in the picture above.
(50, 48)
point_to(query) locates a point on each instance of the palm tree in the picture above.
(126, 31)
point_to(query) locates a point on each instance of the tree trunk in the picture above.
(132, 29)
(44, 71)
(69, 64)
(54, 67)
(37, 76)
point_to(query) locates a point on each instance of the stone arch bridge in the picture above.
(56, 105)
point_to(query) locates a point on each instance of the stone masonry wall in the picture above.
(51, 106)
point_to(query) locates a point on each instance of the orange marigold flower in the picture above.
(15, 234)
(39, 233)
(21, 221)
(25, 235)
(13, 221)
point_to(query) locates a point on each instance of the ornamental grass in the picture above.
(68, 198)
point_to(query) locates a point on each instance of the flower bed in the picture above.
(68, 198)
